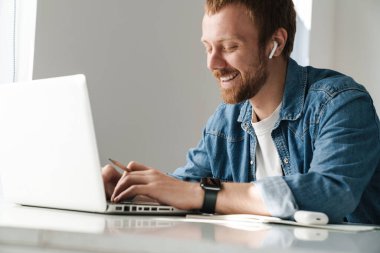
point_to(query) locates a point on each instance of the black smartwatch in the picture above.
(211, 186)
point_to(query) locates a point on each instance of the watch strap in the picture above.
(209, 201)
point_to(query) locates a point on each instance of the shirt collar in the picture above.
(294, 95)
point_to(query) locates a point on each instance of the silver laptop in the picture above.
(48, 152)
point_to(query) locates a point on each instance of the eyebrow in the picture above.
(238, 38)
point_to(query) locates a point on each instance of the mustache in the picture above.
(218, 73)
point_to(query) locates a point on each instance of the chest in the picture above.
(233, 157)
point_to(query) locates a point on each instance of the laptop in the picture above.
(48, 151)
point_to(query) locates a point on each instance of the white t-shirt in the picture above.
(267, 159)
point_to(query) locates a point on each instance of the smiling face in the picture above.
(233, 54)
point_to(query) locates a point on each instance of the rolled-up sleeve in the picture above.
(277, 197)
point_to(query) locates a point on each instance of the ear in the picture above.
(280, 36)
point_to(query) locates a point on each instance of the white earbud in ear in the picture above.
(275, 45)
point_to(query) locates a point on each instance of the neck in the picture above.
(269, 97)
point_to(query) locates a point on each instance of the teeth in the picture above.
(228, 78)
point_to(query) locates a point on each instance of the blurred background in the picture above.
(150, 90)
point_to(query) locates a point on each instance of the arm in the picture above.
(143, 180)
(197, 164)
(345, 156)
(178, 191)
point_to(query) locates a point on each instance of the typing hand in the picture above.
(142, 180)
(110, 178)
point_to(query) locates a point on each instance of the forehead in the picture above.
(231, 22)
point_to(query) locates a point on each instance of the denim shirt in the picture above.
(328, 141)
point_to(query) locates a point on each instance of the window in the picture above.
(17, 30)
(301, 52)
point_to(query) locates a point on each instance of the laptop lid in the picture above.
(48, 151)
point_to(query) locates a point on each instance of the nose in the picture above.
(215, 61)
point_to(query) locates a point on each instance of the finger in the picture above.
(127, 181)
(135, 166)
(110, 173)
(108, 170)
(132, 191)
(117, 186)
(140, 173)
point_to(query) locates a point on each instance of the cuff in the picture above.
(277, 197)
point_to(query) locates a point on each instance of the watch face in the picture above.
(210, 183)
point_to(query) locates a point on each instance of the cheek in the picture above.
(241, 61)
(234, 62)
(250, 63)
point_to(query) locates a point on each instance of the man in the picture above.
(287, 137)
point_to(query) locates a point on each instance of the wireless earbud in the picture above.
(311, 218)
(275, 45)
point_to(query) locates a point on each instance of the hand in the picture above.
(110, 178)
(143, 180)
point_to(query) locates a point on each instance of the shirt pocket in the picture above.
(229, 156)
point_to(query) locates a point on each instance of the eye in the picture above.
(230, 48)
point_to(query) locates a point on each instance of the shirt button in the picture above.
(251, 162)
(286, 161)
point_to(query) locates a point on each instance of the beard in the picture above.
(249, 84)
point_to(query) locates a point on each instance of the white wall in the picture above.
(345, 36)
(150, 90)
(146, 68)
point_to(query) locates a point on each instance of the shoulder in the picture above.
(328, 87)
(331, 83)
(333, 93)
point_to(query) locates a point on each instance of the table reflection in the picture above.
(125, 230)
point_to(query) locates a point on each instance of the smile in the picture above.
(229, 77)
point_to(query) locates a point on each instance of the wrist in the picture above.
(199, 196)
(211, 187)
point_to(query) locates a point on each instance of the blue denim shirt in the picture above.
(328, 141)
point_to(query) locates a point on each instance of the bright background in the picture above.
(150, 90)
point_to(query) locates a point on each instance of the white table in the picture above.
(30, 229)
